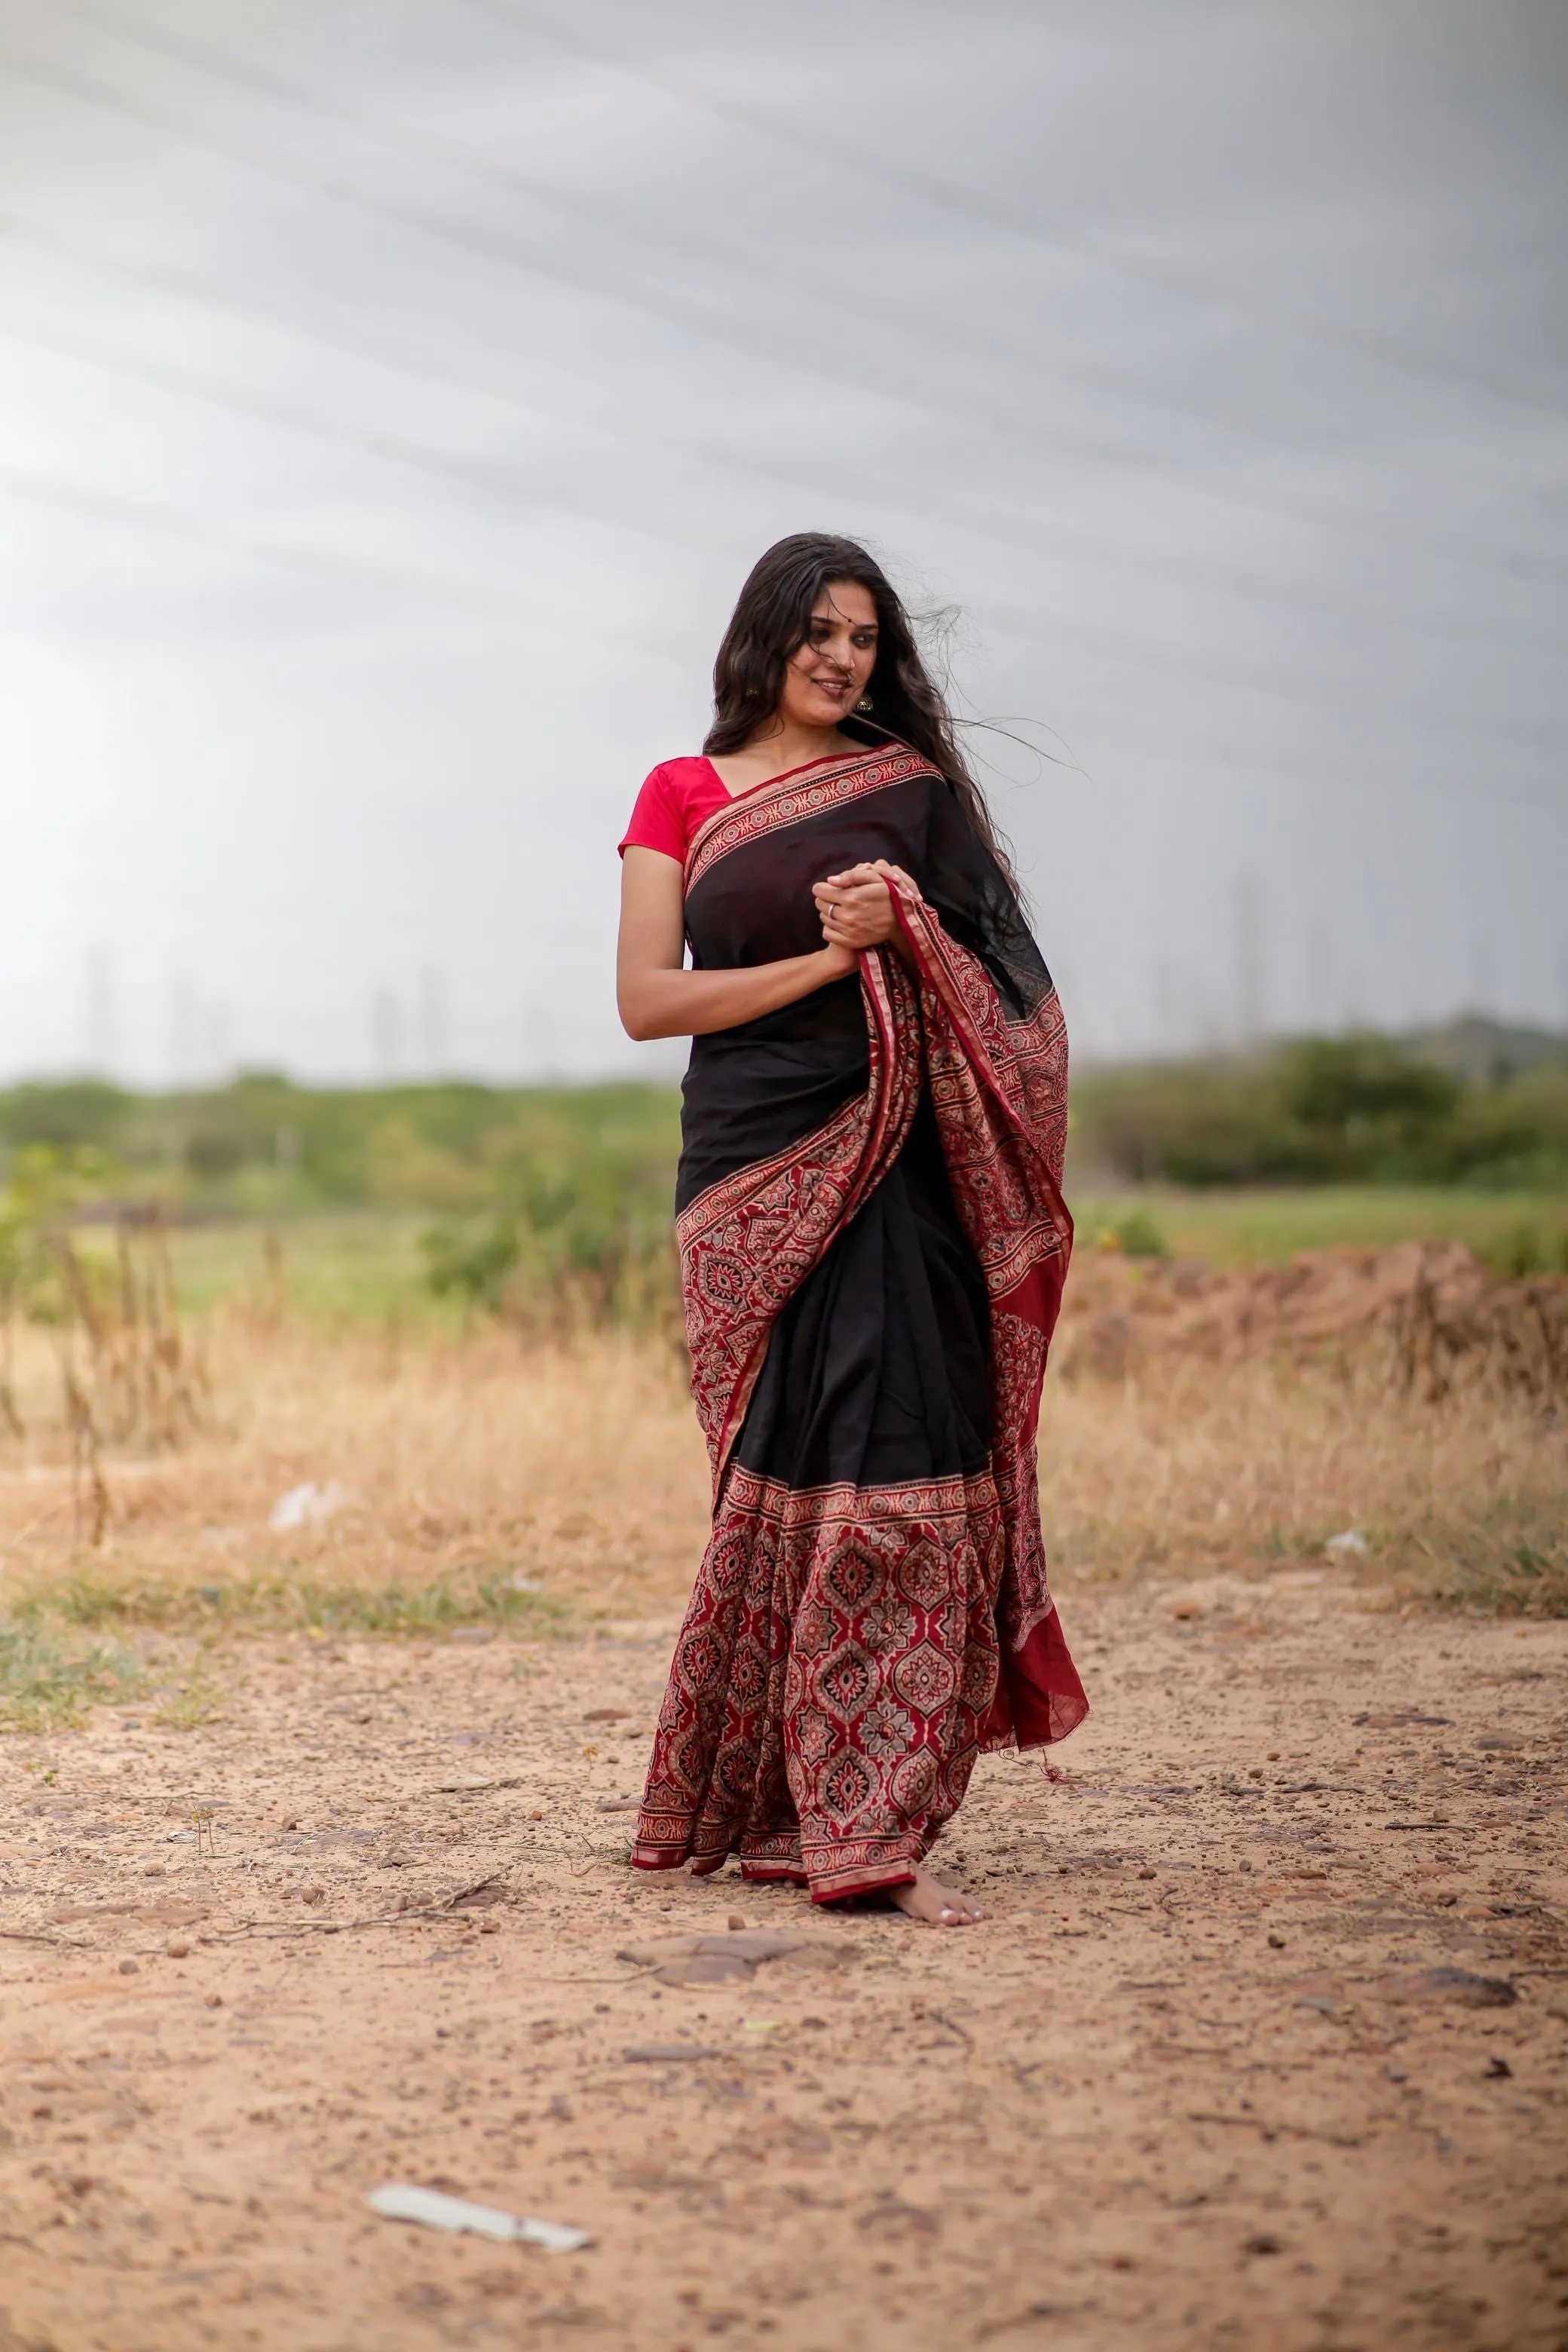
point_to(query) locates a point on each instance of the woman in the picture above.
(873, 1245)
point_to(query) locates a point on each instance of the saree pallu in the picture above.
(873, 1244)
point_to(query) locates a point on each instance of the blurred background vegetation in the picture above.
(463, 1198)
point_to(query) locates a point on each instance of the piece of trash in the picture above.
(1351, 1539)
(400, 2200)
(664, 2054)
(1318, 2000)
(472, 1784)
(759, 2025)
(618, 1804)
(473, 1634)
(522, 1584)
(306, 1507)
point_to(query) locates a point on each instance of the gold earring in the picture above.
(864, 703)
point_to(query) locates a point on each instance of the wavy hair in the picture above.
(771, 621)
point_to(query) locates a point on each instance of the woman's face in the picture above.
(825, 676)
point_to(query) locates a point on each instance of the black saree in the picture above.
(873, 1245)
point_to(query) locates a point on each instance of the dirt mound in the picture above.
(1429, 1310)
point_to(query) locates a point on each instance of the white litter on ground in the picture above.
(400, 2200)
(306, 1505)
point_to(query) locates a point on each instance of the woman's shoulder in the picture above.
(675, 798)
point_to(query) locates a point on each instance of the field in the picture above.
(332, 1623)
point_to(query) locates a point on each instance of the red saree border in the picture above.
(790, 798)
(749, 1240)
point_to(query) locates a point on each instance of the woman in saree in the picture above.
(873, 1244)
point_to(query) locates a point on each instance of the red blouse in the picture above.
(679, 796)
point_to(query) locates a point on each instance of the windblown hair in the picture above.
(771, 621)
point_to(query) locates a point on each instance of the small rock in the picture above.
(153, 1870)
(1451, 1984)
(1147, 1874)
(178, 1950)
(1277, 1943)
(473, 1634)
(315, 1895)
(664, 2054)
(1265, 2242)
(1498, 2070)
(215, 2001)
(489, 1926)
(736, 1920)
(130, 1968)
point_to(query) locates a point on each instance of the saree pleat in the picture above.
(869, 1305)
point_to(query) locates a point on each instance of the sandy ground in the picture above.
(1194, 2083)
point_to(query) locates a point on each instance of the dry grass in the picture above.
(546, 1483)
(466, 1473)
(1196, 1465)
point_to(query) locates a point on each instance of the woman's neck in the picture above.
(774, 752)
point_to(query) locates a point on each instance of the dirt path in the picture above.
(1195, 2085)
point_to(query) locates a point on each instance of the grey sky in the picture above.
(393, 396)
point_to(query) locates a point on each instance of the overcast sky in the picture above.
(394, 393)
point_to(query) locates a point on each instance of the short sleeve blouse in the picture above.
(679, 796)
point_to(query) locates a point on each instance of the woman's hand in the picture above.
(856, 906)
(659, 998)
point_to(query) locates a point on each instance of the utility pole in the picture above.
(1250, 1021)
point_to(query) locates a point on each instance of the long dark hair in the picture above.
(771, 621)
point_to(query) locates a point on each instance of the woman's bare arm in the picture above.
(657, 997)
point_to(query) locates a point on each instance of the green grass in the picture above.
(1259, 1227)
(367, 1265)
(49, 1681)
(282, 1600)
(350, 1265)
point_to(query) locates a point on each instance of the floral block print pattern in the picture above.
(835, 1666)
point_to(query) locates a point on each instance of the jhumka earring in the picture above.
(864, 703)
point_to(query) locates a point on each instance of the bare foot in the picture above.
(925, 1898)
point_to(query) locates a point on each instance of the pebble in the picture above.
(130, 1968)
(1498, 2070)
(215, 2001)
(177, 1950)
(1277, 1943)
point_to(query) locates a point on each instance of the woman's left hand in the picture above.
(856, 906)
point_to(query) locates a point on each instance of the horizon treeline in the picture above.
(1365, 1108)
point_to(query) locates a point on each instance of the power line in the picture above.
(953, 196)
(165, 521)
(169, 522)
(999, 529)
(495, 479)
(869, 304)
(722, 326)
